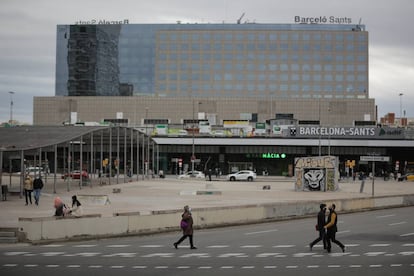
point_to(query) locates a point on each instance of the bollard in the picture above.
(4, 191)
(362, 186)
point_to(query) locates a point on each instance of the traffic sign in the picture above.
(375, 158)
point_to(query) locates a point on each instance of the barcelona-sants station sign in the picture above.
(346, 132)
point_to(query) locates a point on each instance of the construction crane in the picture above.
(239, 20)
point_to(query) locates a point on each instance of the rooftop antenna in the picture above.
(240, 18)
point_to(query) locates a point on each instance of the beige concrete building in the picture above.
(58, 110)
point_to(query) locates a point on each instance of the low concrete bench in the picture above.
(58, 218)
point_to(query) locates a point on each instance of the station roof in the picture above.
(33, 137)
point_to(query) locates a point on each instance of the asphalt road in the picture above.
(377, 243)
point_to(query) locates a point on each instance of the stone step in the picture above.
(7, 234)
(8, 240)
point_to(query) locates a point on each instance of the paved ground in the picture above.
(172, 193)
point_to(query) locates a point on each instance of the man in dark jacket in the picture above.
(320, 227)
(37, 186)
(331, 229)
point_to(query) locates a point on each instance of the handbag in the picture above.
(183, 224)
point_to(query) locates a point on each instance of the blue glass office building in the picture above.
(213, 60)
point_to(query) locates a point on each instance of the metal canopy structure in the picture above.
(107, 150)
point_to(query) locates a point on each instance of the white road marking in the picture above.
(52, 254)
(312, 266)
(161, 267)
(162, 255)
(88, 254)
(10, 265)
(118, 245)
(117, 266)
(250, 246)
(397, 223)
(95, 266)
(270, 267)
(247, 267)
(261, 232)
(301, 255)
(31, 265)
(355, 255)
(334, 266)
(396, 265)
(228, 255)
(406, 235)
(342, 232)
(291, 266)
(338, 254)
(355, 266)
(374, 254)
(151, 246)
(122, 255)
(227, 267)
(264, 255)
(73, 266)
(183, 267)
(15, 253)
(85, 245)
(352, 244)
(198, 255)
(284, 246)
(389, 255)
(217, 246)
(379, 245)
(407, 253)
(52, 265)
(385, 216)
(376, 265)
(52, 245)
(408, 244)
(205, 267)
(139, 266)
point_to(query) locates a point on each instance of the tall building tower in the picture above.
(274, 61)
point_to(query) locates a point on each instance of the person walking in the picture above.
(331, 229)
(37, 186)
(320, 226)
(187, 227)
(28, 189)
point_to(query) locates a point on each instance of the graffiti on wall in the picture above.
(316, 173)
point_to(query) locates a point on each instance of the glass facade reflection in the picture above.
(213, 60)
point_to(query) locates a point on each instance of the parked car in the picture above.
(406, 177)
(191, 174)
(242, 175)
(76, 175)
(33, 171)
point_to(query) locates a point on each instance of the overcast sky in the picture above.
(28, 38)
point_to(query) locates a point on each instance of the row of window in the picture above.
(261, 36)
(185, 67)
(339, 47)
(326, 57)
(294, 88)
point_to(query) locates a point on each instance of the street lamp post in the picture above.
(11, 106)
(193, 146)
(401, 94)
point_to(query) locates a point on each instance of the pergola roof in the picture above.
(34, 137)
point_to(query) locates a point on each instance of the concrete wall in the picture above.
(94, 226)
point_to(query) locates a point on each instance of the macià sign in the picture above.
(318, 173)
